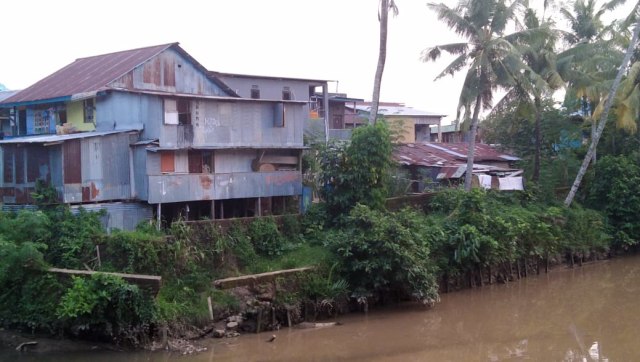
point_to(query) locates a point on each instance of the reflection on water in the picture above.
(582, 314)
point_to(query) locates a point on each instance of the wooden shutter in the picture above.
(167, 161)
(72, 162)
(195, 161)
(7, 159)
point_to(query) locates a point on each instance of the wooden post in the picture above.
(288, 317)
(159, 216)
(273, 317)
(546, 265)
(210, 308)
(259, 321)
(98, 253)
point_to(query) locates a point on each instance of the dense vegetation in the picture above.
(363, 252)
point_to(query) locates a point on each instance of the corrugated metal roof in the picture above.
(6, 94)
(398, 111)
(200, 96)
(236, 75)
(231, 147)
(445, 128)
(431, 154)
(93, 74)
(89, 74)
(61, 138)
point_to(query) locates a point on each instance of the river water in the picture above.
(584, 314)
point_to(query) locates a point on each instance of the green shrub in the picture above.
(387, 252)
(241, 245)
(615, 190)
(106, 306)
(266, 238)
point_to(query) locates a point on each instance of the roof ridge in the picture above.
(165, 46)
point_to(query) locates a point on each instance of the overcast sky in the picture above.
(326, 39)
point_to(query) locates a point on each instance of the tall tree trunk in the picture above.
(593, 135)
(382, 57)
(536, 159)
(604, 116)
(472, 143)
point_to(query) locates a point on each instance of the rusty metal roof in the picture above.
(430, 154)
(93, 74)
(55, 138)
(89, 74)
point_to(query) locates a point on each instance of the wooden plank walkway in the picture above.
(152, 282)
(253, 279)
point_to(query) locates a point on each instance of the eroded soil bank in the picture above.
(569, 314)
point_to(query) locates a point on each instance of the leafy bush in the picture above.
(266, 237)
(357, 173)
(136, 252)
(615, 190)
(384, 252)
(107, 307)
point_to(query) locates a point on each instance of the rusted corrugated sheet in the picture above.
(447, 154)
(87, 74)
(92, 74)
(185, 187)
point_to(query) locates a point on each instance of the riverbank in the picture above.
(569, 314)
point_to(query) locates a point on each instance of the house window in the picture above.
(200, 161)
(8, 163)
(41, 119)
(286, 94)
(207, 162)
(62, 117)
(255, 92)
(167, 161)
(279, 113)
(89, 110)
(195, 161)
(184, 111)
(170, 111)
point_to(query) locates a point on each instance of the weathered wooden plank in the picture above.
(153, 282)
(252, 279)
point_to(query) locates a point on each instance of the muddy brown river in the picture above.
(583, 314)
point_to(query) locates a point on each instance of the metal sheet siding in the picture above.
(269, 88)
(228, 161)
(55, 156)
(234, 124)
(104, 165)
(121, 110)
(178, 188)
(171, 72)
(140, 164)
(120, 215)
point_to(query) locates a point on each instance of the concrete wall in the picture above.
(75, 116)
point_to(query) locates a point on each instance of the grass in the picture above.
(302, 255)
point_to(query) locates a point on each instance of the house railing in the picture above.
(219, 186)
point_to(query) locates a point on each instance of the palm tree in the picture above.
(383, 16)
(607, 107)
(598, 60)
(542, 77)
(491, 58)
(628, 100)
